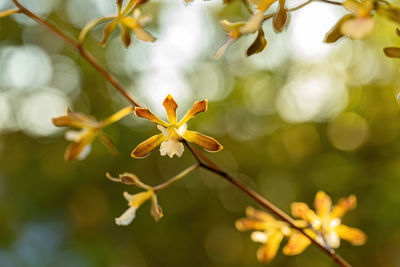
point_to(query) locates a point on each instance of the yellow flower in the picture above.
(254, 24)
(357, 25)
(136, 200)
(89, 130)
(126, 21)
(268, 231)
(172, 132)
(326, 222)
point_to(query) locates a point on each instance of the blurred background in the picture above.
(301, 116)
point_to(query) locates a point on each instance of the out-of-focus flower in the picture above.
(357, 25)
(129, 19)
(268, 231)
(254, 24)
(136, 200)
(89, 130)
(172, 132)
(326, 222)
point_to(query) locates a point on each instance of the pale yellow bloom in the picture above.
(357, 25)
(268, 231)
(136, 200)
(327, 223)
(89, 130)
(126, 21)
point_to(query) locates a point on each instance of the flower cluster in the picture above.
(252, 25)
(324, 225)
(128, 18)
(89, 130)
(136, 200)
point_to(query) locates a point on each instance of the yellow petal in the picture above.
(232, 28)
(108, 29)
(253, 24)
(198, 107)
(206, 142)
(322, 203)
(358, 28)
(263, 5)
(74, 150)
(116, 116)
(301, 210)
(106, 140)
(88, 27)
(343, 205)
(352, 5)
(267, 252)
(136, 27)
(335, 33)
(143, 35)
(73, 119)
(392, 52)
(170, 107)
(146, 113)
(245, 224)
(125, 35)
(156, 210)
(144, 148)
(119, 6)
(390, 12)
(68, 121)
(297, 244)
(138, 199)
(355, 236)
(258, 215)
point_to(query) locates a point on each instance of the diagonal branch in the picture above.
(203, 161)
(84, 53)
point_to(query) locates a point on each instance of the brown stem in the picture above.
(203, 160)
(270, 16)
(84, 53)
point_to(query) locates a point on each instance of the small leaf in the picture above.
(335, 33)
(392, 52)
(280, 18)
(258, 45)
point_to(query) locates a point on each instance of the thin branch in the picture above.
(330, 2)
(203, 160)
(176, 177)
(8, 12)
(80, 49)
(270, 16)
